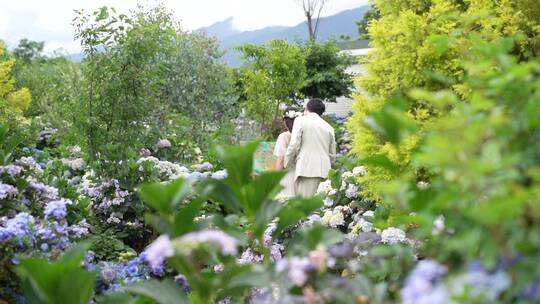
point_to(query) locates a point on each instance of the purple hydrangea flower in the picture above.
(249, 257)
(423, 285)
(531, 292)
(204, 167)
(297, 269)
(158, 251)
(57, 209)
(18, 226)
(108, 274)
(48, 193)
(45, 233)
(351, 191)
(182, 281)
(7, 191)
(12, 170)
(163, 144)
(225, 242)
(88, 259)
(478, 283)
(80, 229)
(44, 247)
(195, 176)
(220, 175)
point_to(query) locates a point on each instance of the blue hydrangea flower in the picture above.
(18, 226)
(424, 284)
(7, 191)
(57, 209)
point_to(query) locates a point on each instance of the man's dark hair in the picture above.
(316, 105)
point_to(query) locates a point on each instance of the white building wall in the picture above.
(343, 106)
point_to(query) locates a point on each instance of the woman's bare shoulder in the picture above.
(284, 136)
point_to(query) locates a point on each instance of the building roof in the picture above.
(357, 52)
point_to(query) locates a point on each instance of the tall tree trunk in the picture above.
(311, 29)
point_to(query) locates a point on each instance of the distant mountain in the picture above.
(222, 29)
(343, 23)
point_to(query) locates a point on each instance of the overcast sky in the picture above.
(50, 20)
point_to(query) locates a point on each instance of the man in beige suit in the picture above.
(312, 148)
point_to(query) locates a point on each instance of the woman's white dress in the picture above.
(279, 151)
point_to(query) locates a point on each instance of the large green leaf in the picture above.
(262, 188)
(162, 292)
(165, 198)
(307, 239)
(61, 282)
(219, 191)
(239, 162)
(183, 220)
(296, 210)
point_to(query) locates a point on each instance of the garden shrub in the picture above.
(477, 209)
(422, 44)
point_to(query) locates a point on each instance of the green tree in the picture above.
(145, 78)
(13, 102)
(275, 73)
(326, 69)
(369, 16)
(483, 158)
(422, 44)
(28, 50)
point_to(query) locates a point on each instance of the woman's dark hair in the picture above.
(289, 121)
(316, 105)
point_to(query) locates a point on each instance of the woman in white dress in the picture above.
(281, 148)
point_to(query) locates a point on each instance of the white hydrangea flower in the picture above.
(325, 188)
(393, 236)
(359, 171)
(347, 175)
(364, 225)
(220, 175)
(438, 225)
(293, 114)
(163, 144)
(333, 218)
(75, 164)
(312, 219)
(352, 191)
(369, 213)
(422, 185)
(328, 202)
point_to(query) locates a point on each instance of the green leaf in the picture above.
(183, 220)
(296, 210)
(159, 223)
(119, 298)
(103, 13)
(61, 282)
(219, 191)
(163, 292)
(239, 162)
(165, 198)
(307, 239)
(264, 187)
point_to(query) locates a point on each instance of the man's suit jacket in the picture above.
(312, 147)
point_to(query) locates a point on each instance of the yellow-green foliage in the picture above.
(6, 80)
(417, 39)
(12, 103)
(20, 100)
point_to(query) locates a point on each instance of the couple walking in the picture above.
(307, 150)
